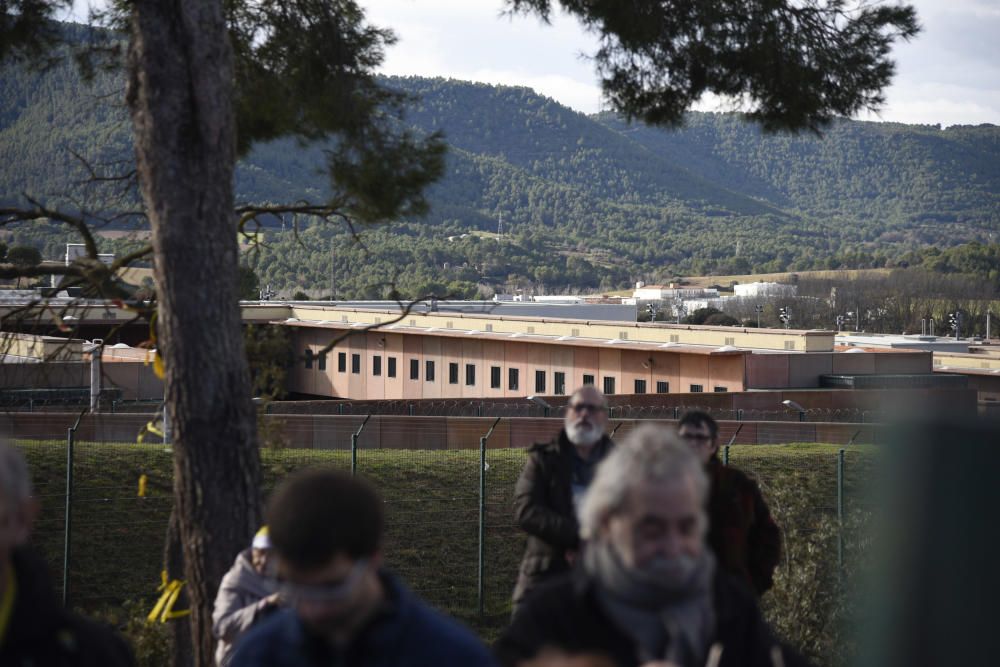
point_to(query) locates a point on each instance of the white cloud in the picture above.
(579, 95)
(949, 74)
(930, 111)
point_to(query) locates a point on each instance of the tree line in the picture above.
(589, 201)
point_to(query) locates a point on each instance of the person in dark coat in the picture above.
(554, 479)
(343, 608)
(646, 589)
(744, 537)
(35, 630)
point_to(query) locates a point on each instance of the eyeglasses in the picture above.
(330, 593)
(579, 408)
(700, 437)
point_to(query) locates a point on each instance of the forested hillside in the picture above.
(586, 202)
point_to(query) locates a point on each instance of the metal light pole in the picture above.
(540, 402)
(758, 309)
(795, 406)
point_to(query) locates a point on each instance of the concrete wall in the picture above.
(399, 432)
(777, 371)
(846, 401)
(136, 380)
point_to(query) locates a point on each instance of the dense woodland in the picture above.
(587, 202)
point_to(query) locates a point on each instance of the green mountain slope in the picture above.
(898, 176)
(586, 201)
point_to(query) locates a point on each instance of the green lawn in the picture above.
(432, 509)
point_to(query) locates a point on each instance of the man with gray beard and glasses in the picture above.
(552, 485)
(647, 591)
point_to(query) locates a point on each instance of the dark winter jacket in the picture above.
(543, 503)
(744, 537)
(404, 633)
(40, 632)
(239, 604)
(564, 614)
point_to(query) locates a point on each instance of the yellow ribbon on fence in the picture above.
(149, 428)
(163, 610)
(142, 486)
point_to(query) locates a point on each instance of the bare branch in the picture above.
(406, 310)
(10, 215)
(129, 177)
(328, 212)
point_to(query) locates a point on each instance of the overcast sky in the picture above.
(949, 74)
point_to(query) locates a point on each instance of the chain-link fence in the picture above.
(450, 530)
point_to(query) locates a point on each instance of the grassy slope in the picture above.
(431, 504)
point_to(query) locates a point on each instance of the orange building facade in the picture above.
(383, 364)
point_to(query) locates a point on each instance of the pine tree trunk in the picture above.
(180, 98)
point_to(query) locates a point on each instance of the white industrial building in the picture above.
(764, 289)
(645, 292)
(691, 305)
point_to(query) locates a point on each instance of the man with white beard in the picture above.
(647, 590)
(551, 486)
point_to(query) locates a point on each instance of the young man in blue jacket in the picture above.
(341, 606)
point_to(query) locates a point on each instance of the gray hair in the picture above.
(649, 454)
(15, 481)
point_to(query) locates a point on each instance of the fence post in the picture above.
(481, 569)
(68, 523)
(840, 511)
(481, 565)
(725, 456)
(354, 445)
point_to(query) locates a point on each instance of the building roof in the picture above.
(917, 342)
(546, 339)
(655, 334)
